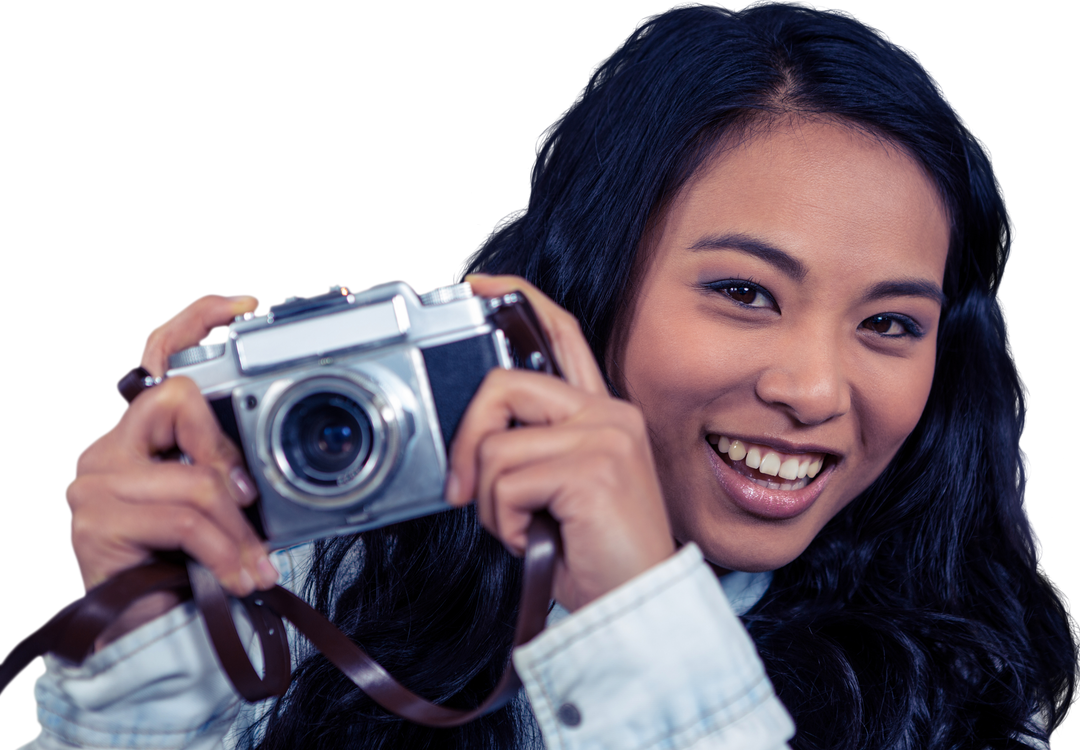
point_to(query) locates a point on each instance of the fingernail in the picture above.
(268, 574)
(244, 484)
(247, 583)
(453, 487)
(243, 304)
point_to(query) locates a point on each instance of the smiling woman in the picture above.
(794, 254)
(783, 323)
(767, 253)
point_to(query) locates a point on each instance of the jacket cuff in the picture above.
(159, 686)
(661, 661)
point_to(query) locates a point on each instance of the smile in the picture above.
(766, 482)
(767, 466)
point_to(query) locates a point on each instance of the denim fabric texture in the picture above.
(660, 663)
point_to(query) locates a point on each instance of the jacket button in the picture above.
(569, 715)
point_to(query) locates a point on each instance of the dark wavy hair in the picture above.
(918, 617)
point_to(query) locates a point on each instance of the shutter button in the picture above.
(569, 715)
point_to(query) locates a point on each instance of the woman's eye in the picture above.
(892, 326)
(745, 293)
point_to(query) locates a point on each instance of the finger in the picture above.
(500, 453)
(608, 452)
(118, 537)
(175, 414)
(505, 396)
(563, 332)
(165, 488)
(169, 415)
(191, 326)
(611, 531)
(556, 484)
(507, 509)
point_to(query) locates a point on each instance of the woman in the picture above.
(782, 249)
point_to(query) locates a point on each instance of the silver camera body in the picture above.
(345, 404)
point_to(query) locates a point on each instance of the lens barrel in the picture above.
(326, 438)
(329, 441)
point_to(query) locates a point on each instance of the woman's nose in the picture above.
(807, 380)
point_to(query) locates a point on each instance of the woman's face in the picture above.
(781, 337)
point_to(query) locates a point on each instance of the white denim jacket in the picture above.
(661, 663)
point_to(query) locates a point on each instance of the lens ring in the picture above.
(306, 453)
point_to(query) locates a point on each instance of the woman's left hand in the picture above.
(578, 452)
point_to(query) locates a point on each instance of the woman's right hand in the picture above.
(127, 502)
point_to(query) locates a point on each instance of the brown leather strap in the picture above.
(213, 603)
(72, 632)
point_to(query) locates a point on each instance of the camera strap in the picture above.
(71, 634)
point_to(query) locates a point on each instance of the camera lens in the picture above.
(326, 438)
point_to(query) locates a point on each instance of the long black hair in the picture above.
(917, 618)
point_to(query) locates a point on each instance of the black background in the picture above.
(160, 156)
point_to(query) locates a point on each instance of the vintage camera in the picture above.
(345, 404)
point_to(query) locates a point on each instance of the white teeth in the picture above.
(787, 486)
(798, 471)
(770, 464)
(753, 458)
(789, 469)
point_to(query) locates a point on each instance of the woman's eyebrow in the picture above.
(794, 268)
(905, 288)
(774, 256)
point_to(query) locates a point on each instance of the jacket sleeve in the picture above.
(159, 686)
(661, 662)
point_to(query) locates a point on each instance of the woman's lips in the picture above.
(766, 502)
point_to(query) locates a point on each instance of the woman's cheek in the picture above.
(895, 406)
